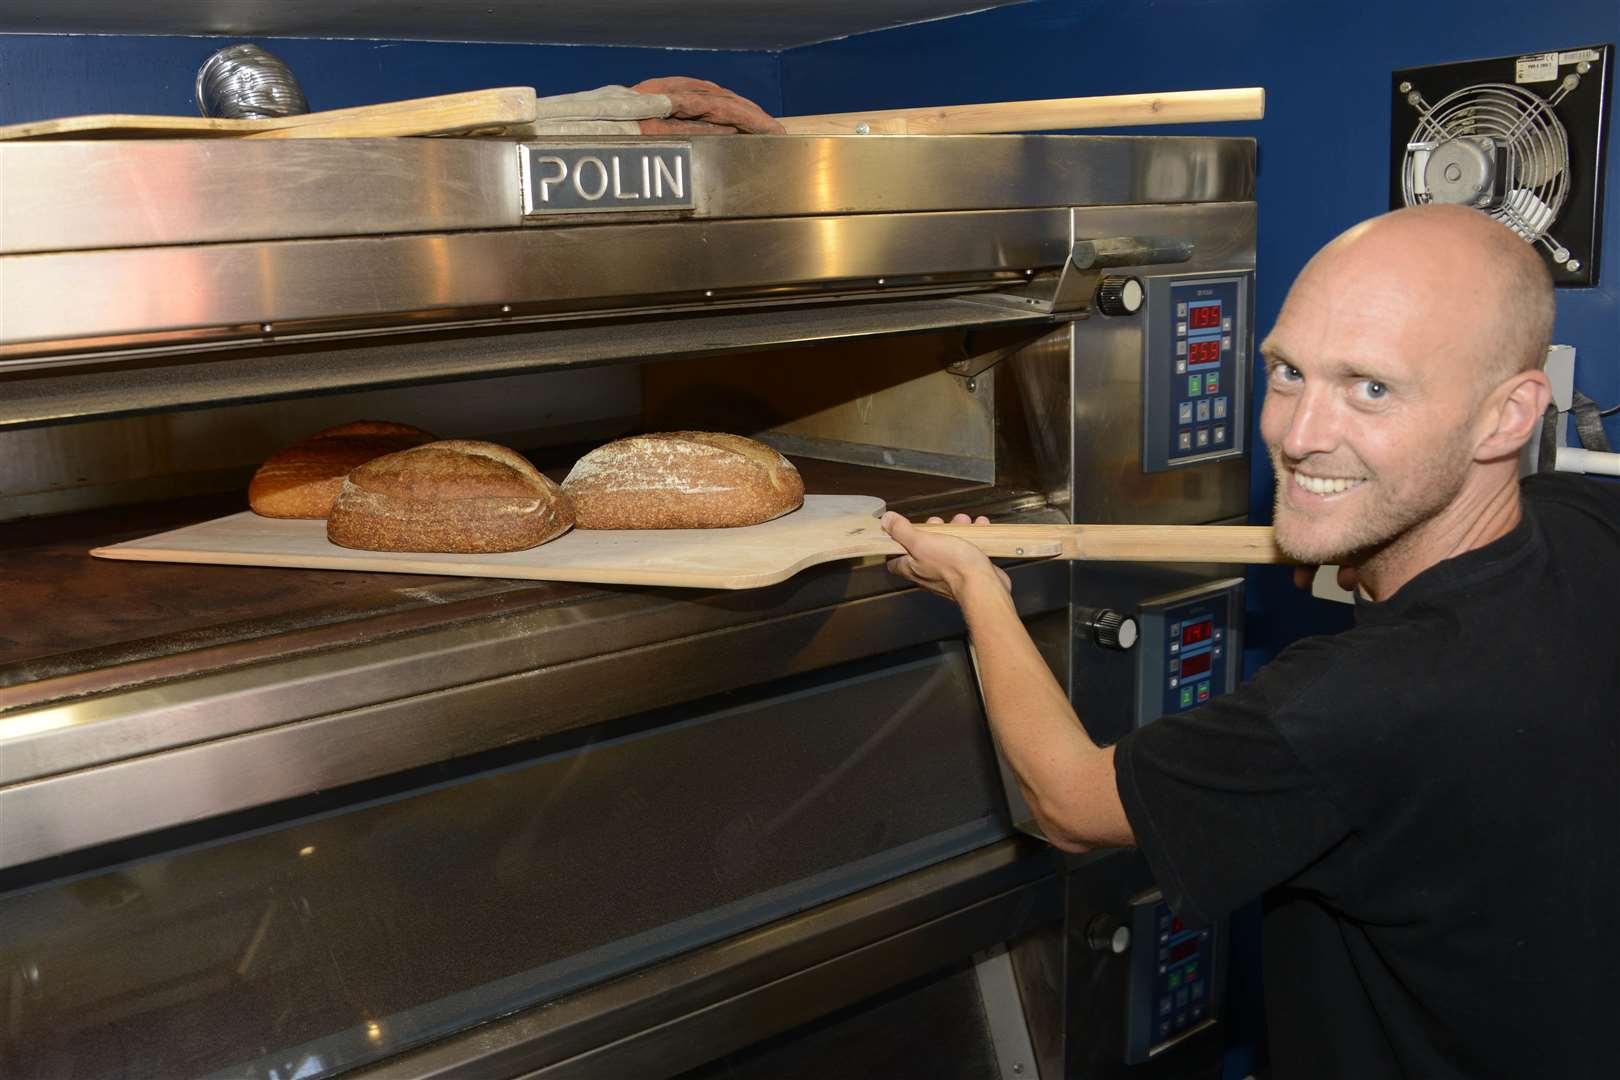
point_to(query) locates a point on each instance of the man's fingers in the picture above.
(1303, 576)
(936, 521)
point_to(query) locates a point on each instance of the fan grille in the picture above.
(1526, 138)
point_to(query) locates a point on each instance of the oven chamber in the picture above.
(290, 824)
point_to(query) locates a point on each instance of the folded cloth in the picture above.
(673, 105)
(700, 102)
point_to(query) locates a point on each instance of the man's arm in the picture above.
(1066, 778)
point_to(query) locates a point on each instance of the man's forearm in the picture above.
(1068, 779)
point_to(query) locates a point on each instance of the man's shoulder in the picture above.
(1590, 497)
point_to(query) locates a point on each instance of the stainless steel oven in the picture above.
(277, 823)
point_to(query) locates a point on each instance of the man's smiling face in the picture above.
(1370, 394)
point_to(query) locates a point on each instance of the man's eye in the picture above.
(1286, 373)
(1372, 389)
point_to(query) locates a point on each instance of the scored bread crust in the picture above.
(302, 480)
(682, 480)
(459, 496)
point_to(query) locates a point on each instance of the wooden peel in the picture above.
(1127, 543)
(472, 113)
(505, 111)
(1053, 114)
(826, 529)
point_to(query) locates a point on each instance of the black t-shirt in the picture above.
(1430, 803)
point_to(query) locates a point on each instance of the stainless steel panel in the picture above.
(796, 969)
(67, 196)
(1004, 1015)
(56, 391)
(238, 739)
(515, 880)
(237, 290)
(1109, 484)
(847, 174)
(661, 1051)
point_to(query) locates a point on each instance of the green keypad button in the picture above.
(1186, 696)
(1175, 980)
(1195, 385)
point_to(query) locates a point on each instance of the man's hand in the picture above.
(944, 565)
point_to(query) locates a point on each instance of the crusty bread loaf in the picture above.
(452, 496)
(682, 480)
(302, 481)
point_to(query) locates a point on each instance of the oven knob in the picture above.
(1107, 934)
(1108, 628)
(1119, 295)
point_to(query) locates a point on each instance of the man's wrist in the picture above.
(982, 594)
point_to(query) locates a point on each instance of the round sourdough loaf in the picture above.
(302, 481)
(455, 496)
(682, 480)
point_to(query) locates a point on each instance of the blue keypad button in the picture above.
(1197, 990)
(1203, 410)
(1220, 433)
(1181, 348)
(1184, 411)
(1203, 436)
(1181, 997)
(1220, 408)
(1184, 441)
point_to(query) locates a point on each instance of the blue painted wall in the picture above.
(43, 76)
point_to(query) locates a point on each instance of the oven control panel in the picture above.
(1189, 649)
(1195, 369)
(1175, 978)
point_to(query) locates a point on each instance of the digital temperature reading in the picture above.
(1195, 665)
(1204, 317)
(1193, 633)
(1204, 352)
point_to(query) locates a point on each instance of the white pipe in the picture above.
(1574, 459)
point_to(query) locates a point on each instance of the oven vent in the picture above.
(1528, 152)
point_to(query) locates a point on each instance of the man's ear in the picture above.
(1510, 414)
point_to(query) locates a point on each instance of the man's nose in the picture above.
(1314, 426)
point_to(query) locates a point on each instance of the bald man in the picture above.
(1428, 801)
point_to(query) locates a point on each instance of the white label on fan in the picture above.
(1541, 67)
(1589, 55)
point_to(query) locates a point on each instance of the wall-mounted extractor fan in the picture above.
(1521, 138)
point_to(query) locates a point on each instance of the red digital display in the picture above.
(1193, 633)
(1194, 665)
(1183, 949)
(1203, 352)
(1204, 317)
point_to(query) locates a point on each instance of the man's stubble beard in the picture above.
(1386, 521)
